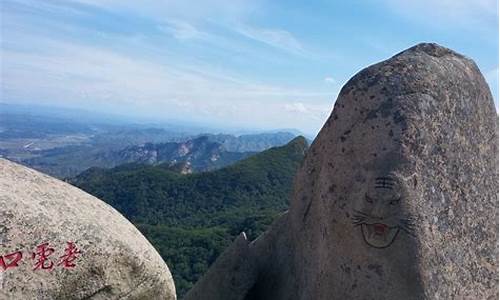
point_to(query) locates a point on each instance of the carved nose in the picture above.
(378, 213)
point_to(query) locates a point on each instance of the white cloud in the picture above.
(73, 65)
(300, 110)
(329, 80)
(277, 38)
(91, 77)
(181, 30)
(178, 9)
(296, 107)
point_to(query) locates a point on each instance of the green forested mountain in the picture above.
(190, 219)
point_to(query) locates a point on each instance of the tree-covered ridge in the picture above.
(191, 218)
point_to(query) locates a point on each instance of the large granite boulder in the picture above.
(58, 242)
(397, 196)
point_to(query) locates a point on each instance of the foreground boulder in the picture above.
(396, 199)
(58, 242)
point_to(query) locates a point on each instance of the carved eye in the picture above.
(394, 202)
(368, 199)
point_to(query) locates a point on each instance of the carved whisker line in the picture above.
(361, 213)
(360, 216)
(358, 221)
(406, 222)
(407, 226)
(410, 228)
(408, 231)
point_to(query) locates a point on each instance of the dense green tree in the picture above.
(191, 219)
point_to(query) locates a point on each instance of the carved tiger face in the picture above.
(380, 217)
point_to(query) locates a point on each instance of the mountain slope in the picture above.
(106, 150)
(191, 218)
(201, 153)
(252, 142)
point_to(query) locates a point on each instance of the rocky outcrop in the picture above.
(58, 242)
(396, 199)
(201, 153)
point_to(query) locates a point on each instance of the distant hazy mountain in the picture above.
(24, 136)
(64, 147)
(191, 218)
(201, 154)
(252, 142)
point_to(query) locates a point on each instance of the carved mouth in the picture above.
(380, 229)
(379, 235)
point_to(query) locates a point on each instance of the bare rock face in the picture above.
(397, 197)
(399, 192)
(58, 242)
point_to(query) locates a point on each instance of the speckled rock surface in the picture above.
(397, 197)
(114, 261)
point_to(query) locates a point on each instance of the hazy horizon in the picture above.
(83, 116)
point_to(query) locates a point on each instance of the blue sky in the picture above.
(248, 64)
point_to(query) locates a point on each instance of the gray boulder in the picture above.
(58, 242)
(397, 196)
